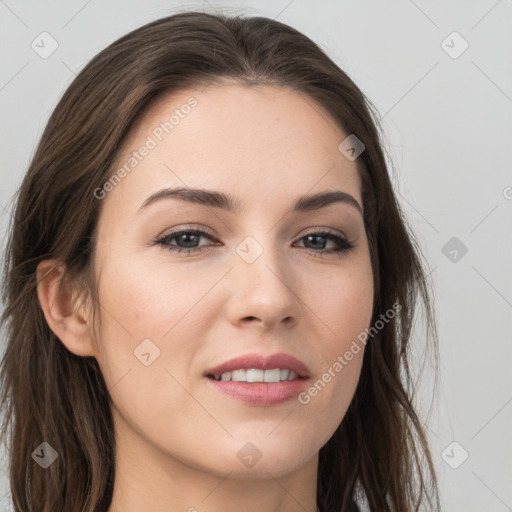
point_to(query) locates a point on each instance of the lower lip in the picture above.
(260, 393)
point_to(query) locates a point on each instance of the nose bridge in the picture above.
(259, 253)
(263, 282)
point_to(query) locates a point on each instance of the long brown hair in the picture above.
(379, 453)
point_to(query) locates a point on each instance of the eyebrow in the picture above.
(220, 200)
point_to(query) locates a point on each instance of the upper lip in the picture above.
(261, 362)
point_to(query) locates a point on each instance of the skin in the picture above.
(177, 438)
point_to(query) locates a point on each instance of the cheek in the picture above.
(143, 314)
(149, 300)
(148, 342)
(345, 308)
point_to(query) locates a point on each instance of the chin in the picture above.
(260, 458)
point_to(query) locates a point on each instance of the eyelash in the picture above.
(344, 245)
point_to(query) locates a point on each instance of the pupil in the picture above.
(315, 237)
(187, 236)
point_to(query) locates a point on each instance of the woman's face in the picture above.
(259, 281)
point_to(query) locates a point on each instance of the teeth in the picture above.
(238, 375)
(272, 375)
(256, 375)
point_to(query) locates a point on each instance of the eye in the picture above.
(189, 237)
(187, 240)
(342, 244)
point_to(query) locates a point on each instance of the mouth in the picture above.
(260, 368)
(260, 380)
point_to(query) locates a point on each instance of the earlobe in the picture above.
(57, 299)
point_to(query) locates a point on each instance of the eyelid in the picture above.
(324, 230)
(186, 228)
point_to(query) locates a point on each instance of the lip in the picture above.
(261, 393)
(261, 362)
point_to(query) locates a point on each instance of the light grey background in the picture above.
(448, 124)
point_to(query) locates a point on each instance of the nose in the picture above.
(265, 288)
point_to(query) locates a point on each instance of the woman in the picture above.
(264, 370)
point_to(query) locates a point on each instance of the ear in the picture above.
(57, 298)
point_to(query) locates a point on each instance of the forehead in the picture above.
(261, 142)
